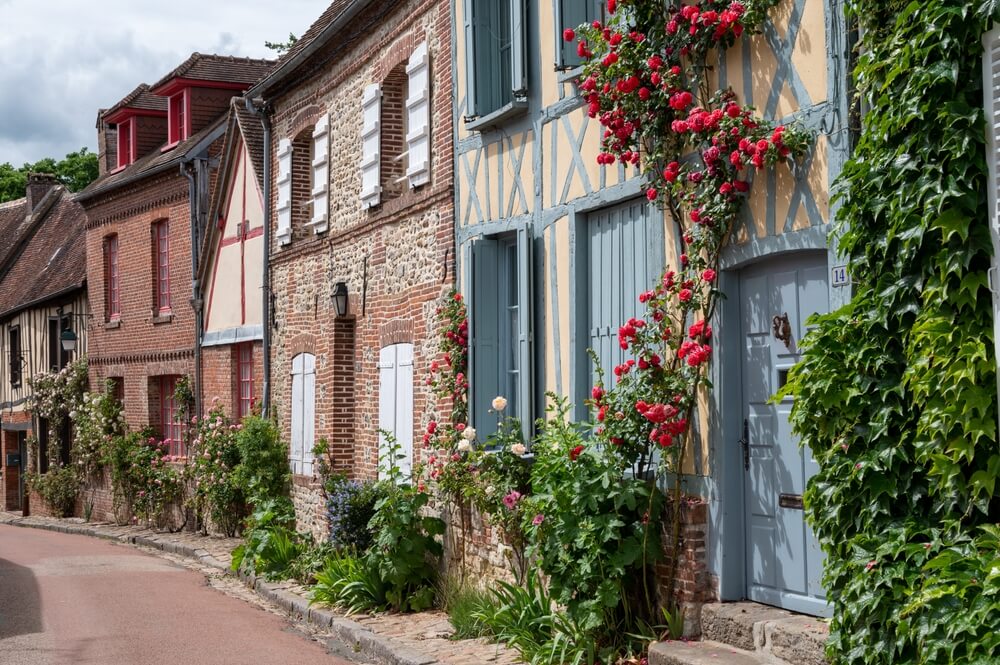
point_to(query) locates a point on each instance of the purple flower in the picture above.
(539, 518)
(511, 499)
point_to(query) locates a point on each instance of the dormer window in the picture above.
(126, 143)
(178, 118)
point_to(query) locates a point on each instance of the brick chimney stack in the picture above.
(107, 145)
(39, 185)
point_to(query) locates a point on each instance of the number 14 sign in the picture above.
(841, 277)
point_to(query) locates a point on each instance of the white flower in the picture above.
(464, 446)
(499, 403)
(469, 434)
(518, 449)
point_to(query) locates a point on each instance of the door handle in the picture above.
(745, 444)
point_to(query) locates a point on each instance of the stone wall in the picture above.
(397, 258)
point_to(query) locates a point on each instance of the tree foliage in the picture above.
(75, 171)
(896, 395)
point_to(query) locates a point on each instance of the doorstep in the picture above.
(748, 633)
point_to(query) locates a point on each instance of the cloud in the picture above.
(62, 60)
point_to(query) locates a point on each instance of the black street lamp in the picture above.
(340, 298)
(68, 340)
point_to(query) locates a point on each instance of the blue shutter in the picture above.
(570, 14)
(625, 259)
(525, 342)
(469, 20)
(484, 360)
(519, 48)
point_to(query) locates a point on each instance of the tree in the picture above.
(75, 171)
(281, 47)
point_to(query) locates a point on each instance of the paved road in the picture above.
(75, 600)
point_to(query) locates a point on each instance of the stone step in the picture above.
(766, 631)
(679, 652)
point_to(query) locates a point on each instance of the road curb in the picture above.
(363, 644)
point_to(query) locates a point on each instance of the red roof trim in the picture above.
(125, 113)
(175, 85)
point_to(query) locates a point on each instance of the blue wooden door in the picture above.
(784, 562)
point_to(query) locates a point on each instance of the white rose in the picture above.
(469, 434)
(499, 403)
(518, 449)
(464, 446)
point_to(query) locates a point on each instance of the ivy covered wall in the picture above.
(896, 395)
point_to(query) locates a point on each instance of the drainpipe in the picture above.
(263, 110)
(194, 203)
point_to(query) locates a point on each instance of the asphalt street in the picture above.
(75, 600)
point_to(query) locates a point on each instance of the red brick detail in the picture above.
(694, 584)
(396, 332)
(305, 120)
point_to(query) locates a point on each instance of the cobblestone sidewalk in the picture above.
(390, 639)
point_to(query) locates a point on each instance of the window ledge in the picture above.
(169, 146)
(569, 75)
(112, 324)
(509, 110)
(162, 317)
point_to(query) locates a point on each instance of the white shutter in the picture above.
(418, 136)
(321, 174)
(295, 450)
(284, 208)
(386, 404)
(404, 407)
(308, 412)
(371, 146)
(991, 93)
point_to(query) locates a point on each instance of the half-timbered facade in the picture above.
(43, 293)
(230, 277)
(554, 250)
(360, 204)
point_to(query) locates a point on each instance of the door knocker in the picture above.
(782, 329)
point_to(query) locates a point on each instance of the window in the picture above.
(991, 81)
(392, 133)
(303, 413)
(177, 120)
(624, 259)
(126, 143)
(161, 263)
(496, 59)
(58, 358)
(170, 426)
(244, 379)
(571, 14)
(116, 388)
(501, 328)
(14, 348)
(112, 293)
(395, 406)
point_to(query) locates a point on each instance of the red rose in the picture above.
(432, 427)
(684, 295)
(612, 4)
(708, 275)
(597, 393)
(651, 194)
(569, 34)
(575, 453)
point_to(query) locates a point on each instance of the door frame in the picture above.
(727, 523)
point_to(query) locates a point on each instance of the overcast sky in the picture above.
(61, 60)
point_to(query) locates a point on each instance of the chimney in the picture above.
(107, 145)
(39, 185)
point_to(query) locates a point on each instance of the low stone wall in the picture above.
(474, 549)
(310, 507)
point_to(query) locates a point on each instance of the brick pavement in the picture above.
(402, 638)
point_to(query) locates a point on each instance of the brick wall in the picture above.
(220, 376)
(397, 259)
(142, 343)
(695, 585)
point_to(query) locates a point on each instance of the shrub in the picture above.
(350, 506)
(271, 544)
(351, 583)
(263, 470)
(57, 488)
(142, 479)
(215, 456)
